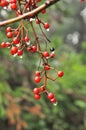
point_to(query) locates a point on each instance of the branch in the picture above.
(29, 14)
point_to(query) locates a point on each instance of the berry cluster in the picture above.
(19, 41)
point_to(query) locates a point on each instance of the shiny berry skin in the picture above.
(20, 53)
(45, 54)
(36, 91)
(46, 25)
(9, 29)
(13, 1)
(3, 44)
(13, 50)
(47, 67)
(16, 40)
(34, 48)
(37, 73)
(53, 100)
(37, 79)
(26, 39)
(60, 73)
(28, 49)
(13, 6)
(37, 96)
(38, 21)
(8, 44)
(9, 34)
(52, 55)
(50, 96)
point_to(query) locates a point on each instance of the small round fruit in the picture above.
(36, 91)
(20, 53)
(8, 29)
(13, 6)
(34, 48)
(37, 96)
(53, 100)
(16, 40)
(60, 73)
(37, 79)
(45, 54)
(9, 34)
(26, 39)
(50, 96)
(3, 44)
(46, 25)
(52, 55)
(13, 50)
(47, 67)
(37, 73)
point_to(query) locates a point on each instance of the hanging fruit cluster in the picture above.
(20, 41)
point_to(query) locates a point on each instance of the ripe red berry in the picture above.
(16, 40)
(13, 50)
(28, 49)
(53, 100)
(52, 55)
(16, 32)
(82, 0)
(37, 73)
(9, 29)
(45, 54)
(47, 67)
(13, 6)
(9, 34)
(36, 91)
(34, 48)
(46, 25)
(3, 44)
(38, 21)
(8, 44)
(13, 1)
(60, 73)
(50, 96)
(37, 96)
(37, 79)
(20, 53)
(43, 11)
(26, 39)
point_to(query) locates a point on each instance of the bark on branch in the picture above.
(29, 14)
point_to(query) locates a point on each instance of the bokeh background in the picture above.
(18, 108)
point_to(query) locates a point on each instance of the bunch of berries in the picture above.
(19, 41)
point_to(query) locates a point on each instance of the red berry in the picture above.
(43, 11)
(47, 67)
(60, 73)
(16, 32)
(20, 53)
(82, 0)
(13, 50)
(13, 6)
(52, 55)
(26, 39)
(46, 25)
(45, 54)
(36, 90)
(37, 79)
(13, 1)
(53, 100)
(8, 44)
(34, 48)
(38, 21)
(28, 49)
(50, 95)
(3, 44)
(37, 96)
(9, 34)
(37, 73)
(9, 29)
(16, 40)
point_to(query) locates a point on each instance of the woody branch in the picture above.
(29, 14)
